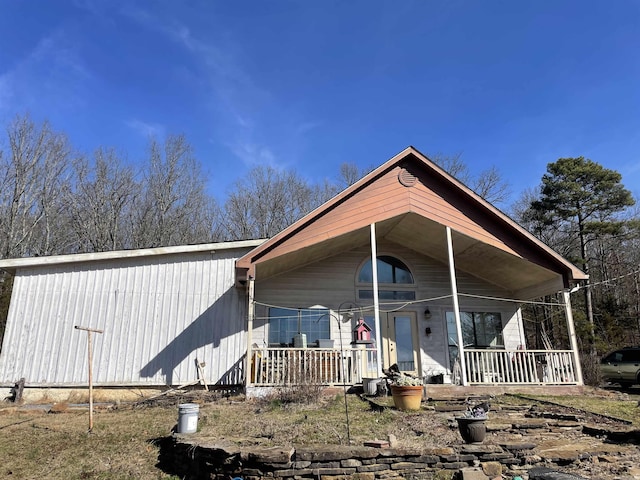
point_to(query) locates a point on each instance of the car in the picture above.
(622, 366)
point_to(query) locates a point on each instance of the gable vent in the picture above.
(406, 178)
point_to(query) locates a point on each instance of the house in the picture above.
(442, 300)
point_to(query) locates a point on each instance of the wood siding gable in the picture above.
(407, 184)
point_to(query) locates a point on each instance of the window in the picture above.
(479, 330)
(391, 273)
(388, 294)
(285, 323)
(631, 355)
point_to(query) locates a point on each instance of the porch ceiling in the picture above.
(521, 277)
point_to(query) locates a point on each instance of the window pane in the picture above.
(390, 270)
(404, 344)
(388, 294)
(468, 334)
(366, 273)
(488, 329)
(466, 322)
(399, 271)
(630, 355)
(478, 329)
(453, 355)
(285, 323)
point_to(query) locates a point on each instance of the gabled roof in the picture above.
(411, 200)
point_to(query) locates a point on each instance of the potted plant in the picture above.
(406, 390)
(472, 426)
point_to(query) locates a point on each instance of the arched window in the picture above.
(395, 281)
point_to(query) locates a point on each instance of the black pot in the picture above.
(472, 429)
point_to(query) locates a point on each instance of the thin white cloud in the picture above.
(238, 101)
(51, 73)
(96, 7)
(307, 126)
(146, 129)
(6, 92)
(252, 154)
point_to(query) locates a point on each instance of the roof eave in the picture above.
(11, 265)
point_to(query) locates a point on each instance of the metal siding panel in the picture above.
(11, 335)
(157, 313)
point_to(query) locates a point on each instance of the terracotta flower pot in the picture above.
(472, 429)
(407, 397)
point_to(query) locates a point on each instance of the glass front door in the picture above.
(400, 342)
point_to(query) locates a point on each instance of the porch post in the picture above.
(376, 303)
(456, 309)
(573, 342)
(250, 315)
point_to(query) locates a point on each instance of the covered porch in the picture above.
(446, 252)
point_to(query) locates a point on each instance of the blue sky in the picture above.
(309, 85)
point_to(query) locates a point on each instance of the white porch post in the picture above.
(573, 342)
(456, 308)
(250, 315)
(376, 303)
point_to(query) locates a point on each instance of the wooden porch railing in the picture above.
(325, 366)
(553, 367)
(330, 366)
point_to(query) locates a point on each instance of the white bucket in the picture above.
(370, 385)
(188, 417)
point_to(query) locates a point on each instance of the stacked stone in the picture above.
(197, 459)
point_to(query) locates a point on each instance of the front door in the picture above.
(400, 341)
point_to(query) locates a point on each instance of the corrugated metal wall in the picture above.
(158, 314)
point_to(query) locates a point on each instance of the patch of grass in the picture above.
(612, 407)
(36, 445)
(269, 423)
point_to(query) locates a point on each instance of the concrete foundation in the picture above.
(34, 395)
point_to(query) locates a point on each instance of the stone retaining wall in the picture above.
(191, 459)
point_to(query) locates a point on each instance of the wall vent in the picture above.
(406, 178)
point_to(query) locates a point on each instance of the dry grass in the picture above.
(35, 444)
(617, 406)
(271, 423)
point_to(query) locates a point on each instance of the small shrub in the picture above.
(301, 394)
(304, 393)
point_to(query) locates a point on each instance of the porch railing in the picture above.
(326, 366)
(556, 367)
(330, 366)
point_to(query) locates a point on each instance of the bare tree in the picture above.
(104, 193)
(33, 174)
(173, 207)
(266, 201)
(489, 183)
(350, 173)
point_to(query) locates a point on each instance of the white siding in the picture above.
(158, 314)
